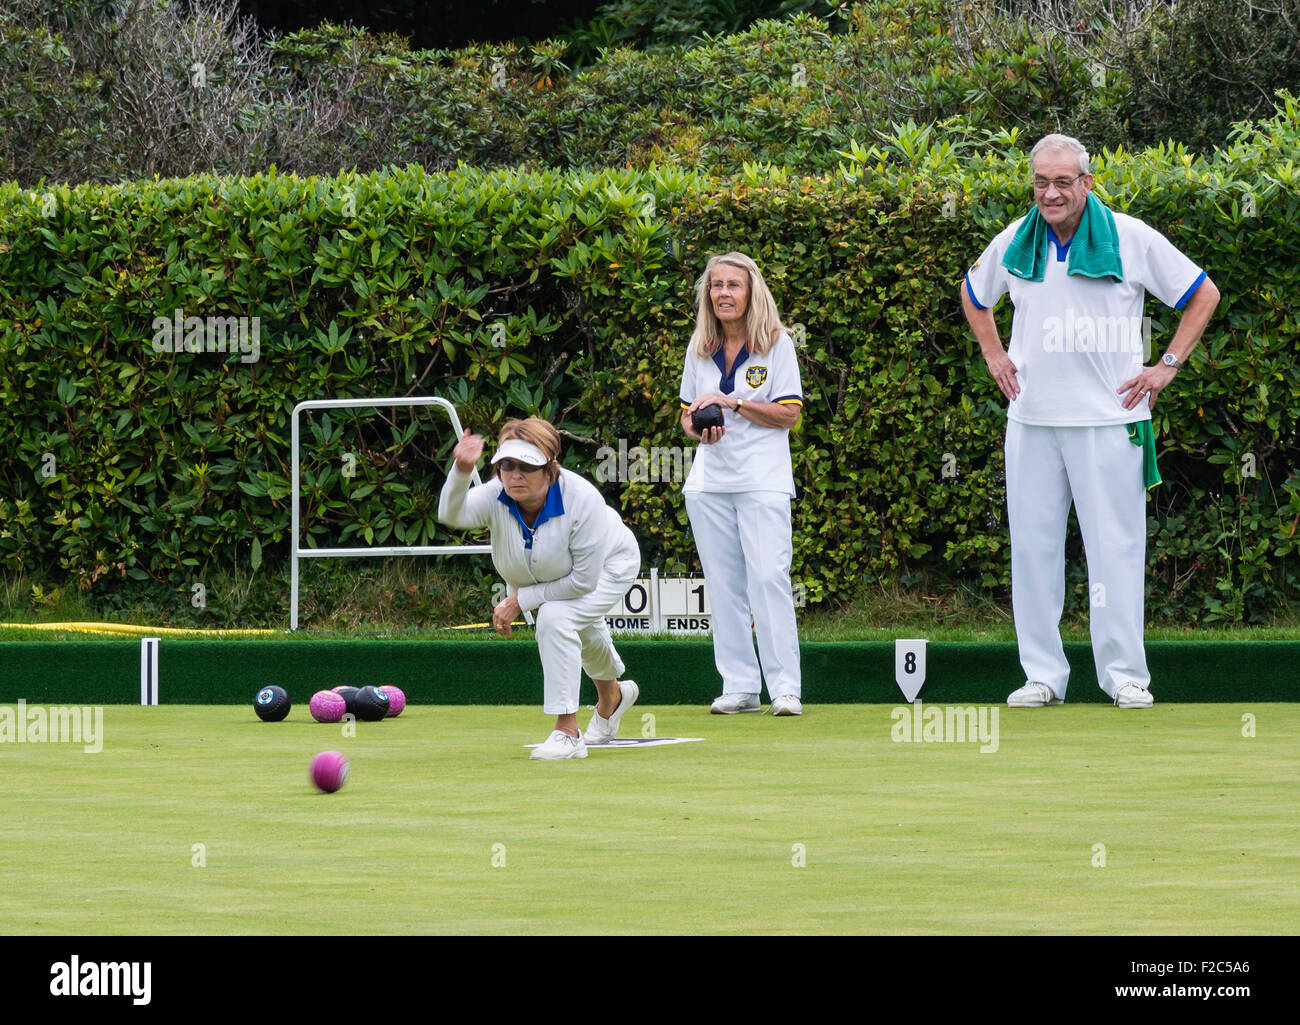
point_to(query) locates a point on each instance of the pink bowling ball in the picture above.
(396, 699)
(329, 771)
(326, 706)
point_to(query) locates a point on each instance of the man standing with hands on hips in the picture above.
(1079, 420)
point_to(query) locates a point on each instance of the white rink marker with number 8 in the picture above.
(909, 666)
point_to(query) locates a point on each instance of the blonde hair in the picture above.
(762, 319)
(535, 431)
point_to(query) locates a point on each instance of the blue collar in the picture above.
(553, 506)
(728, 382)
(1062, 250)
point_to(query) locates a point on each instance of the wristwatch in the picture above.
(1170, 360)
(739, 403)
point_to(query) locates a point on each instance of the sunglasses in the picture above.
(511, 465)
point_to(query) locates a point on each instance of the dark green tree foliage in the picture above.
(428, 24)
(1202, 64)
(663, 24)
(119, 95)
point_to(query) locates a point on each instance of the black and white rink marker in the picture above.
(149, 670)
(909, 666)
(619, 742)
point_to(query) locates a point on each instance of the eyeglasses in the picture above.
(1062, 184)
(511, 465)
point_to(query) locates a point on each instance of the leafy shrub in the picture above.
(569, 296)
(656, 24)
(113, 97)
(1196, 68)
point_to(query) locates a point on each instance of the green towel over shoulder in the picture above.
(1142, 433)
(1094, 247)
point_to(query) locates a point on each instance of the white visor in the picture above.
(522, 451)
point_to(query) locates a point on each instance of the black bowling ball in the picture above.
(271, 704)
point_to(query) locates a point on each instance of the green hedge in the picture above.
(569, 296)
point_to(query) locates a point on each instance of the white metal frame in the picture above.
(347, 553)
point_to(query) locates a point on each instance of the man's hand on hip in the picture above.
(1147, 385)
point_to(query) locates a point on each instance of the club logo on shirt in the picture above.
(755, 376)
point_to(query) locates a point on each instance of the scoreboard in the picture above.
(656, 604)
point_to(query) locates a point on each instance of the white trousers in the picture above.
(1100, 470)
(572, 635)
(745, 548)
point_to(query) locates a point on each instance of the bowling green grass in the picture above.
(1086, 819)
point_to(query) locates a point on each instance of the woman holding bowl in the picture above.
(742, 361)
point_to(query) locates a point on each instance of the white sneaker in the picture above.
(560, 745)
(1032, 695)
(786, 704)
(601, 730)
(730, 704)
(1130, 695)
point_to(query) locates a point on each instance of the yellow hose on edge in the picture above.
(130, 629)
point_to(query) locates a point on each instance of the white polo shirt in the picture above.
(749, 457)
(561, 556)
(1074, 339)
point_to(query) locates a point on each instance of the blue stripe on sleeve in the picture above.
(1190, 292)
(971, 292)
